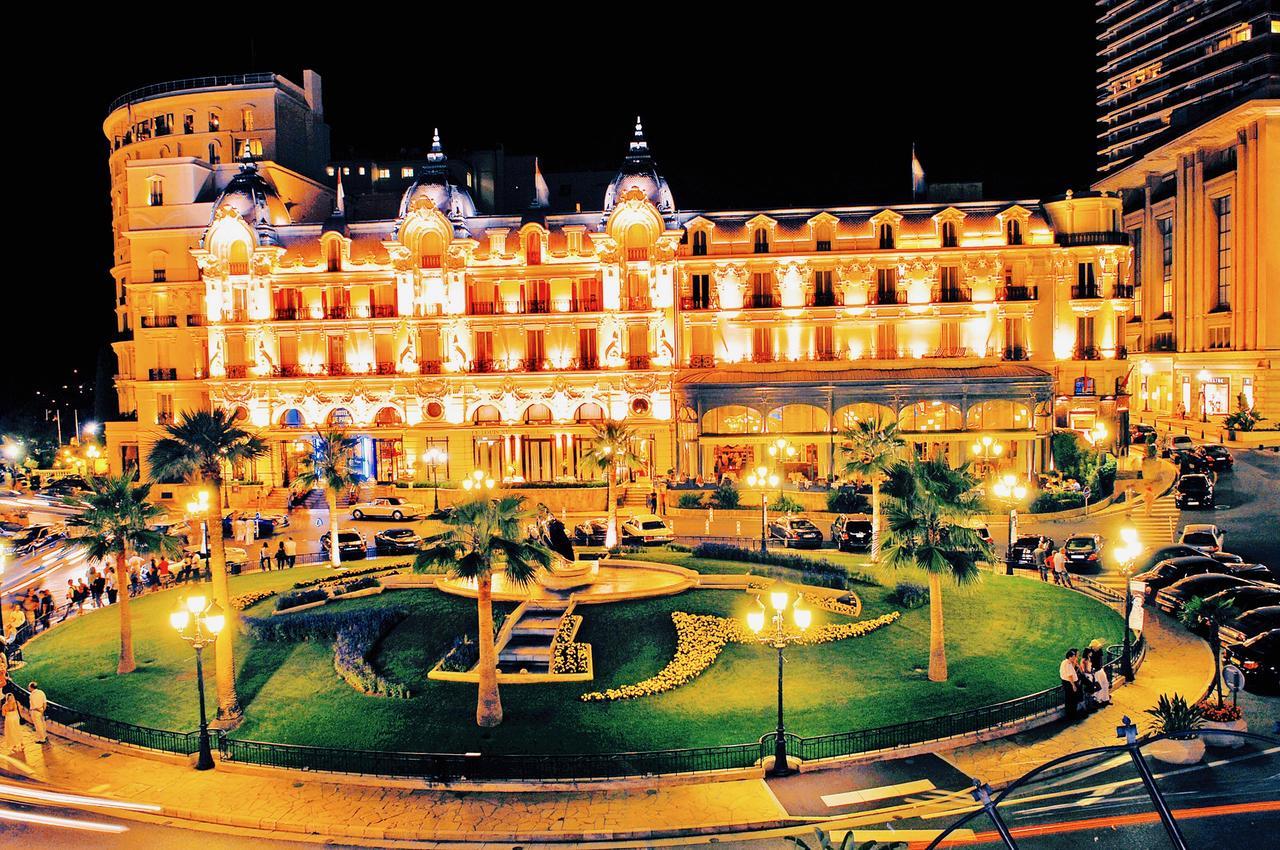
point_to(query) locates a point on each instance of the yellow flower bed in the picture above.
(700, 639)
(830, 603)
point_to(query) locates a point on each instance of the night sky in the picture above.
(749, 113)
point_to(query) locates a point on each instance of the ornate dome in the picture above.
(252, 196)
(433, 185)
(639, 172)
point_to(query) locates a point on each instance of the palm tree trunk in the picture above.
(488, 702)
(611, 533)
(331, 501)
(127, 664)
(937, 634)
(224, 651)
(875, 519)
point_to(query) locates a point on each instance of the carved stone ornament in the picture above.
(639, 383)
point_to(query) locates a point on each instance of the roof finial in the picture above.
(638, 143)
(437, 150)
(246, 154)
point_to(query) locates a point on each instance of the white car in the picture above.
(389, 508)
(647, 528)
(1206, 537)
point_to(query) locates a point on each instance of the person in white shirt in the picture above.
(1070, 677)
(291, 551)
(37, 705)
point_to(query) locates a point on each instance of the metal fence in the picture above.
(164, 740)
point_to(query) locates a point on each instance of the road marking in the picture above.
(882, 792)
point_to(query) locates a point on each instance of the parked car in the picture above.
(1172, 598)
(68, 485)
(266, 524)
(591, 532)
(1204, 536)
(795, 531)
(1178, 443)
(1251, 623)
(851, 535)
(647, 529)
(1084, 551)
(1259, 658)
(232, 554)
(1193, 491)
(1180, 550)
(34, 539)
(351, 545)
(1245, 599)
(392, 507)
(1023, 551)
(1220, 458)
(1167, 572)
(397, 541)
(1138, 432)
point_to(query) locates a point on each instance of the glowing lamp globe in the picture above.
(755, 621)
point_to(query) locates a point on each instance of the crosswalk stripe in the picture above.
(883, 792)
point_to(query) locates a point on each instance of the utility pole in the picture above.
(57, 417)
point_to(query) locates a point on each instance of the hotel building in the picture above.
(246, 282)
(1189, 111)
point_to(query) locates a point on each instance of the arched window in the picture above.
(949, 234)
(931, 416)
(537, 413)
(340, 417)
(430, 251)
(886, 235)
(291, 418)
(760, 241)
(533, 250)
(387, 417)
(732, 419)
(333, 255)
(700, 243)
(1013, 231)
(486, 414)
(238, 258)
(796, 419)
(851, 414)
(589, 412)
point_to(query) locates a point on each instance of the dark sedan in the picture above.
(1259, 658)
(591, 533)
(1251, 623)
(397, 541)
(1023, 551)
(265, 525)
(1180, 550)
(34, 539)
(1193, 491)
(1220, 458)
(851, 535)
(1167, 572)
(1084, 552)
(351, 545)
(1172, 598)
(797, 532)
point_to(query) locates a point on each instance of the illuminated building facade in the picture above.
(501, 338)
(1189, 106)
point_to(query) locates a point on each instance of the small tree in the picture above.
(330, 468)
(610, 448)
(1211, 614)
(871, 447)
(483, 534)
(116, 521)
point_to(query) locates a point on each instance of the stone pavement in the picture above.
(1177, 662)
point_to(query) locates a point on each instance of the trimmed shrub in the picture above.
(787, 505)
(1049, 502)
(846, 500)
(726, 496)
(313, 624)
(815, 571)
(300, 597)
(344, 574)
(678, 547)
(690, 500)
(353, 646)
(909, 595)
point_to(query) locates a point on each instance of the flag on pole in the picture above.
(917, 175)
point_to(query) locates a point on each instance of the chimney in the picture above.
(311, 87)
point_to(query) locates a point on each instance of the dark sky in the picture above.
(749, 112)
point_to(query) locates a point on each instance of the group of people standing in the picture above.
(1085, 683)
(1052, 561)
(10, 718)
(286, 555)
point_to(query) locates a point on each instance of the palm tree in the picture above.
(484, 533)
(928, 514)
(870, 448)
(1210, 614)
(330, 468)
(198, 448)
(610, 448)
(116, 521)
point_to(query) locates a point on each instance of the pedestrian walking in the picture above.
(1042, 559)
(282, 558)
(112, 591)
(1060, 575)
(1070, 677)
(291, 551)
(46, 609)
(97, 587)
(37, 704)
(12, 724)
(653, 501)
(264, 558)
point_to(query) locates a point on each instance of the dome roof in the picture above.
(252, 196)
(638, 171)
(432, 184)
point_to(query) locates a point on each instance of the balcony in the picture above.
(1018, 293)
(532, 364)
(480, 367)
(762, 357)
(883, 297)
(1086, 352)
(638, 361)
(1122, 290)
(1080, 292)
(337, 312)
(241, 267)
(1164, 342)
(430, 261)
(637, 255)
(883, 354)
(636, 303)
(584, 364)
(168, 321)
(761, 301)
(169, 374)
(288, 370)
(824, 355)
(822, 245)
(1095, 237)
(429, 367)
(702, 361)
(237, 370)
(480, 308)
(385, 367)
(336, 370)
(590, 304)
(951, 295)
(537, 306)
(947, 353)
(1014, 353)
(196, 320)
(822, 299)
(286, 314)
(695, 303)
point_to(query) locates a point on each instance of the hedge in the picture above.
(355, 642)
(301, 597)
(814, 571)
(846, 500)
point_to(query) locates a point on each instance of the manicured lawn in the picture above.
(1005, 638)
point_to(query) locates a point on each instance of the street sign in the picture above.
(1086, 492)
(1233, 677)
(1135, 618)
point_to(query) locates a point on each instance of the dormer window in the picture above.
(1013, 232)
(822, 237)
(949, 239)
(886, 235)
(533, 250)
(760, 245)
(700, 243)
(333, 255)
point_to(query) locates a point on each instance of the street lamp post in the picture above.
(478, 480)
(763, 480)
(433, 457)
(198, 622)
(781, 451)
(779, 638)
(1009, 491)
(1126, 555)
(987, 449)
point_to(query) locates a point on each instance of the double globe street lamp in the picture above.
(433, 457)
(198, 622)
(1126, 555)
(779, 637)
(478, 481)
(1009, 491)
(764, 481)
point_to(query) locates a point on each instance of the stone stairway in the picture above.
(528, 647)
(636, 496)
(315, 501)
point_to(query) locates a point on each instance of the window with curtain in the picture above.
(1222, 217)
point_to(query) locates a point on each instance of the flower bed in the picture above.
(243, 603)
(362, 583)
(344, 574)
(700, 639)
(568, 657)
(834, 605)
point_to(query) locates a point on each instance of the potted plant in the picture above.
(1206, 617)
(1182, 723)
(1224, 717)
